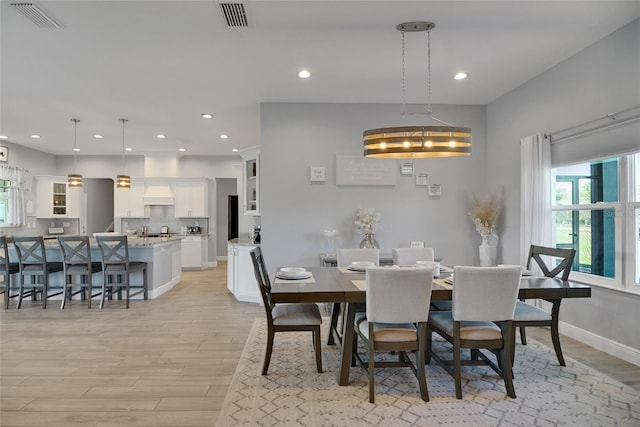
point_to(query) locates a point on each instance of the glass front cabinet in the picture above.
(251, 178)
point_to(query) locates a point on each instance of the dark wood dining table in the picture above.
(331, 285)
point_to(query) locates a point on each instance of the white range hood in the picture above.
(158, 194)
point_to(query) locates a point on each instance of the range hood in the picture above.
(158, 194)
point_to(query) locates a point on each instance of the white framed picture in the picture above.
(422, 179)
(406, 169)
(435, 190)
(4, 154)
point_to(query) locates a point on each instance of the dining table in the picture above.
(338, 285)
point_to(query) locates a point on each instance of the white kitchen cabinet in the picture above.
(191, 199)
(194, 252)
(251, 180)
(241, 280)
(129, 202)
(54, 199)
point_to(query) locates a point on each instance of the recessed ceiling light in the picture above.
(224, 136)
(182, 150)
(35, 136)
(128, 149)
(76, 149)
(97, 136)
(3, 137)
(207, 115)
(160, 136)
(304, 74)
(460, 76)
(235, 150)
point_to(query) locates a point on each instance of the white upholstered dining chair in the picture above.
(484, 302)
(396, 320)
(409, 256)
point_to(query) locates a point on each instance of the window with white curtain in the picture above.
(596, 211)
(4, 201)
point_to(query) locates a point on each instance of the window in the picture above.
(4, 201)
(596, 211)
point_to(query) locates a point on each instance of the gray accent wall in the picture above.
(602, 79)
(295, 210)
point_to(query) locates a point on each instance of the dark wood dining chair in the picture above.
(117, 269)
(32, 258)
(7, 270)
(292, 317)
(529, 315)
(76, 260)
(396, 320)
(484, 301)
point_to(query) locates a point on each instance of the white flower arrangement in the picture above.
(484, 213)
(367, 220)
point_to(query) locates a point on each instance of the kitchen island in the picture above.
(241, 280)
(162, 254)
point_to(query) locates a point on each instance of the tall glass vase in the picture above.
(369, 242)
(485, 251)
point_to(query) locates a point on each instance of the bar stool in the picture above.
(33, 262)
(114, 251)
(7, 270)
(76, 258)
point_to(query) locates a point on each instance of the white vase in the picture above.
(485, 251)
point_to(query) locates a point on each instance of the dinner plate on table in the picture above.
(359, 265)
(525, 272)
(293, 273)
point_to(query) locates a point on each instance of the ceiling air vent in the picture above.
(234, 14)
(36, 15)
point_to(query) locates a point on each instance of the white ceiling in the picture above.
(160, 64)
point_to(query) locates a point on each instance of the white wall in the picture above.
(599, 80)
(295, 211)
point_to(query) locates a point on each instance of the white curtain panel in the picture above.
(18, 182)
(535, 205)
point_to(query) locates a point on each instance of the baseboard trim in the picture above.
(621, 351)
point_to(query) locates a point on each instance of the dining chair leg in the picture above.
(128, 289)
(318, 347)
(20, 292)
(457, 362)
(523, 336)
(506, 365)
(371, 367)
(45, 290)
(267, 354)
(420, 363)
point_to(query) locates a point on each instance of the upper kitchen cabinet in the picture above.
(55, 200)
(129, 202)
(251, 180)
(191, 199)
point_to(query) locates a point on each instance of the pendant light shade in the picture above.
(417, 141)
(74, 180)
(123, 181)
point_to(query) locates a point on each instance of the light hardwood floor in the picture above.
(163, 362)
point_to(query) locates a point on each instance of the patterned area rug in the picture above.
(293, 394)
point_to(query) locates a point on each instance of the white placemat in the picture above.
(346, 270)
(360, 284)
(307, 280)
(441, 282)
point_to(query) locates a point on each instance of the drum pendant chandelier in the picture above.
(443, 140)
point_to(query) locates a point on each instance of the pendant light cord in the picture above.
(123, 122)
(75, 144)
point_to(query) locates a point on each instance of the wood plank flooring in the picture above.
(163, 362)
